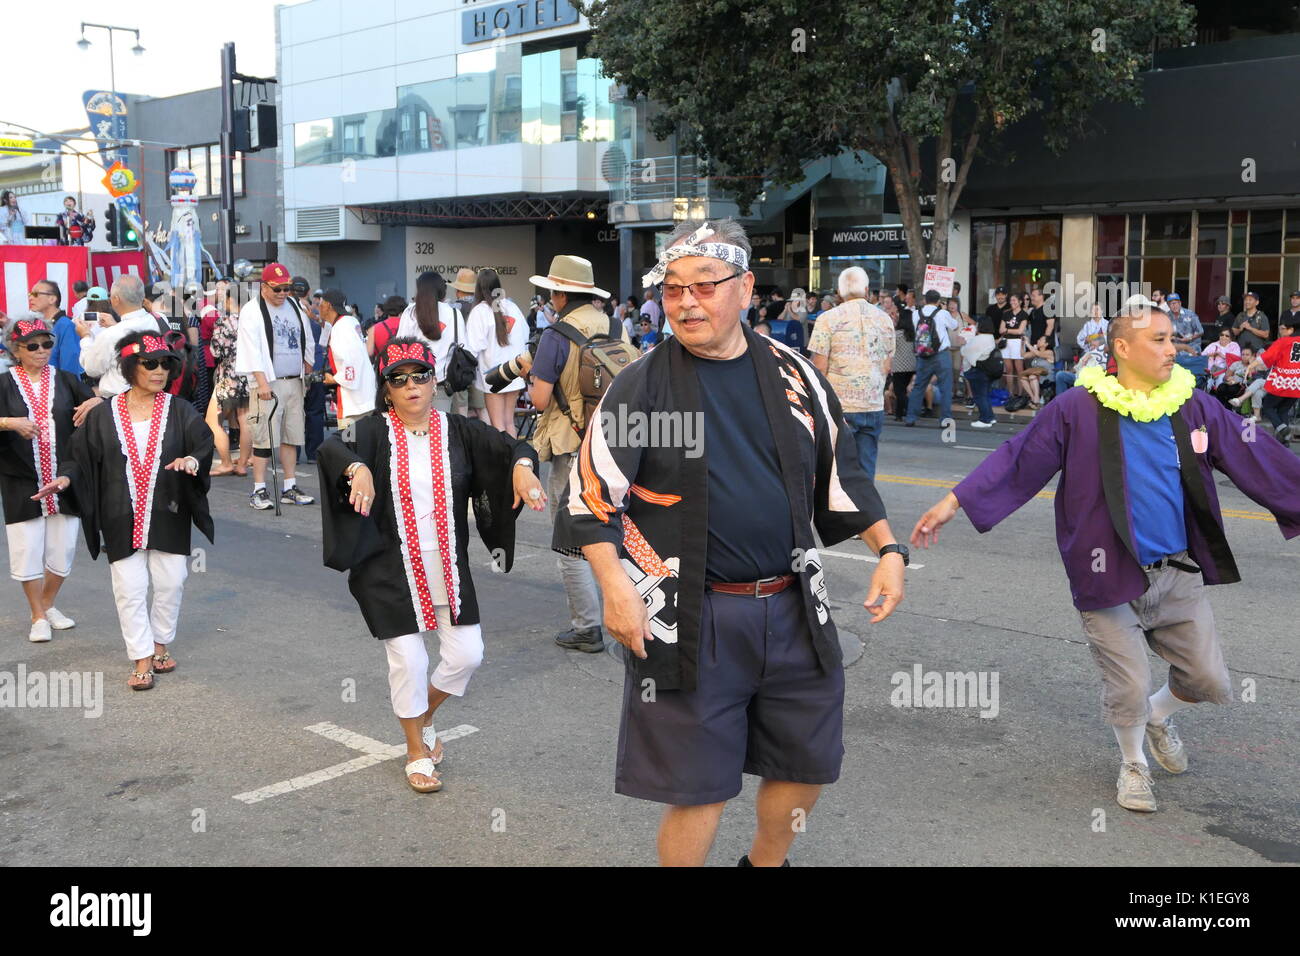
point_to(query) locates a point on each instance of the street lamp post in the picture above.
(84, 44)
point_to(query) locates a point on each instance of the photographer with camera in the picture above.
(556, 392)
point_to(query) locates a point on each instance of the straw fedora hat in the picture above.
(464, 280)
(569, 274)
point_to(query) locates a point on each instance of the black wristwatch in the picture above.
(897, 549)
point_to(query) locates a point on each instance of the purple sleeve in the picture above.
(1259, 465)
(552, 354)
(1017, 471)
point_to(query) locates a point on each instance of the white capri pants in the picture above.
(42, 544)
(142, 627)
(460, 650)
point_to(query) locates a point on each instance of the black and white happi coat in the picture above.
(650, 500)
(472, 464)
(106, 491)
(20, 458)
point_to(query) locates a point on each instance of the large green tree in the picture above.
(762, 87)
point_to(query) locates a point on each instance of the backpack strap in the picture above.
(570, 333)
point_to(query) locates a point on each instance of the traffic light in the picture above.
(129, 237)
(111, 226)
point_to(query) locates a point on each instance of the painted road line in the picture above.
(870, 558)
(1050, 495)
(373, 752)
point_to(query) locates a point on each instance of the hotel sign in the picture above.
(867, 241)
(512, 19)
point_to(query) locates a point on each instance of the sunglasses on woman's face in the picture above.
(398, 379)
(44, 345)
(151, 364)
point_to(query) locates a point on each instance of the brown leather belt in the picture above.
(764, 588)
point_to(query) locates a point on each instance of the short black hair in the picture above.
(131, 363)
(58, 293)
(394, 305)
(80, 287)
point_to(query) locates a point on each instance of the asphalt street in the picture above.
(271, 644)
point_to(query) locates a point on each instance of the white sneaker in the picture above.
(1134, 788)
(58, 620)
(40, 632)
(979, 424)
(1235, 402)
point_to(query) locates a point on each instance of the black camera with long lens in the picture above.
(509, 370)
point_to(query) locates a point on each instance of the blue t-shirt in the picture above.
(1155, 488)
(751, 531)
(67, 347)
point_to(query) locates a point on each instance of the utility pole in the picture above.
(227, 218)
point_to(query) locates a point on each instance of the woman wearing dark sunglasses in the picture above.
(138, 470)
(395, 499)
(39, 408)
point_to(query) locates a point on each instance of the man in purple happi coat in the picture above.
(1138, 525)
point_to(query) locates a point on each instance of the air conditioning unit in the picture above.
(327, 224)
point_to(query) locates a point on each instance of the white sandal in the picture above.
(430, 738)
(422, 766)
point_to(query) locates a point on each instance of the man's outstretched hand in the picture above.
(926, 531)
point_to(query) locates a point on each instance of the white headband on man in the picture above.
(695, 246)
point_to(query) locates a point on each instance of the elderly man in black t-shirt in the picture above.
(695, 502)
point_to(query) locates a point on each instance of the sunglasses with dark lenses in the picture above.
(44, 345)
(701, 290)
(151, 364)
(281, 288)
(398, 379)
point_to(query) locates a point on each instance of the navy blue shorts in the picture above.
(762, 705)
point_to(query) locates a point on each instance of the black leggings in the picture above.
(900, 382)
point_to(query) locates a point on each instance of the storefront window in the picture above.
(1265, 231)
(1110, 236)
(1035, 239)
(1168, 234)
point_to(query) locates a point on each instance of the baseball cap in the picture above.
(276, 274)
(1223, 300)
(1137, 303)
(1173, 297)
(335, 298)
(1253, 295)
(1296, 294)
(98, 293)
(1000, 290)
(300, 285)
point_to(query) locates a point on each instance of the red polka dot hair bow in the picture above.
(399, 352)
(147, 345)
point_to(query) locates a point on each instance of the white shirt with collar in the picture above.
(99, 353)
(252, 351)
